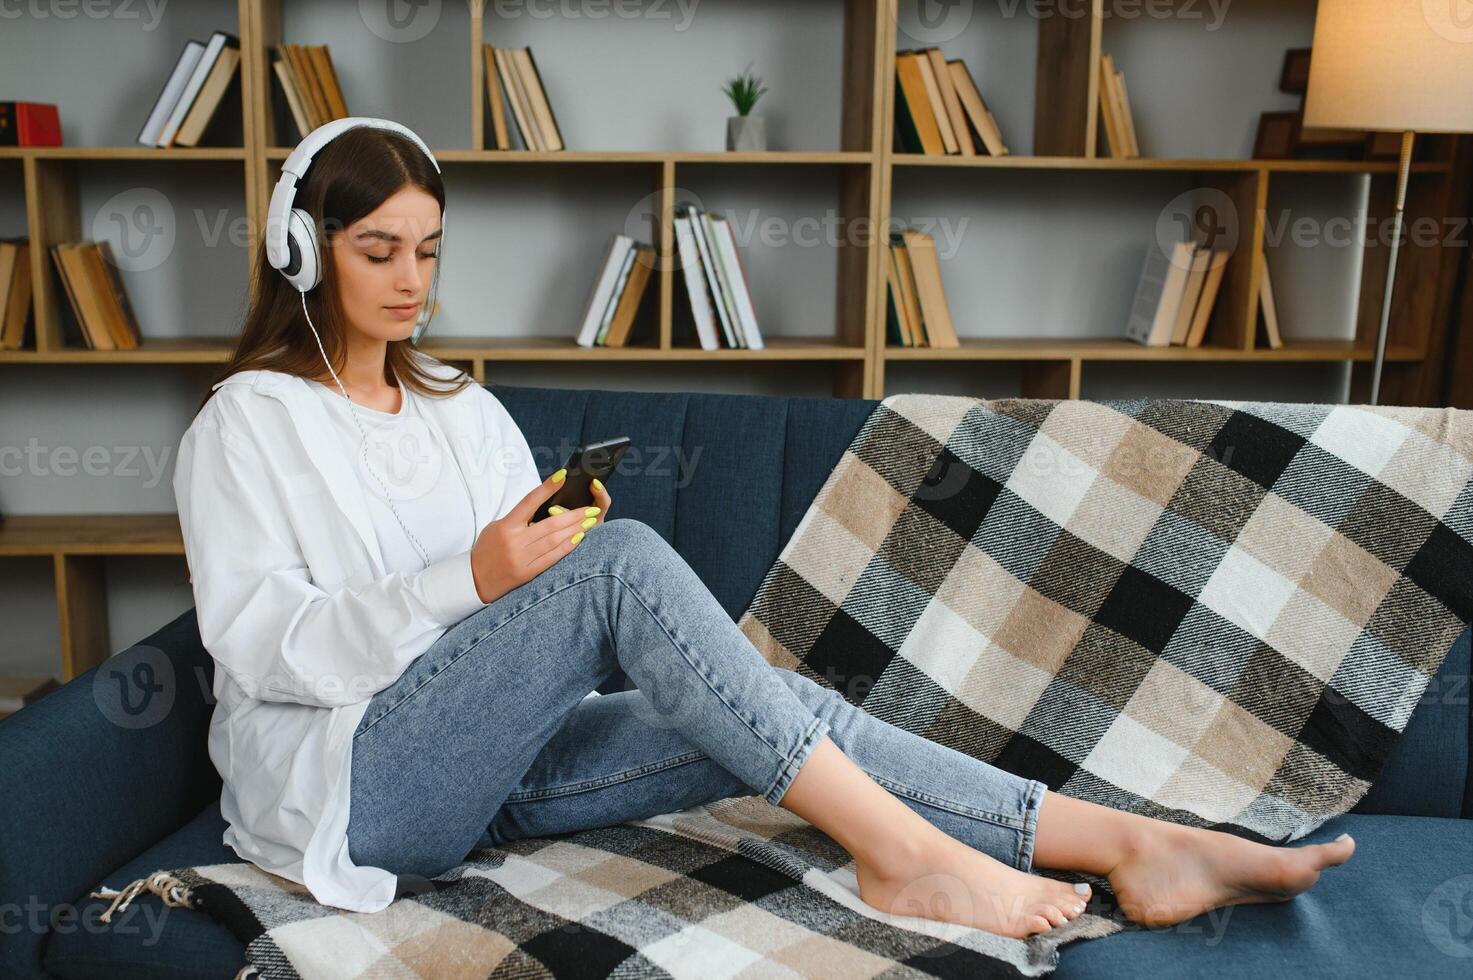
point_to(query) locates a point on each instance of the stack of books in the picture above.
(917, 314)
(195, 89)
(95, 289)
(938, 108)
(512, 72)
(15, 292)
(715, 281)
(1175, 296)
(616, 294)
(1115, 107)
(310, 84)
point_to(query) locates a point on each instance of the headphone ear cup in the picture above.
(304, 266)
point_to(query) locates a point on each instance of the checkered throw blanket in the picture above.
(1220, 614)
(739, 887)
(1216, 613)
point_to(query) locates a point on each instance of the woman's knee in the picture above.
(815, 697)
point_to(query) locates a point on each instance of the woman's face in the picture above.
(385, 263)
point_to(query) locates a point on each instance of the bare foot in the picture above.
(1172, 873)
(948, 881)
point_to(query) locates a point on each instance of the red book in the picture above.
(29, 124)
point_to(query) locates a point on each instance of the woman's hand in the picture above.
(512, 551)
(600, 500)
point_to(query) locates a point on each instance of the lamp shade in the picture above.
(1391, 66)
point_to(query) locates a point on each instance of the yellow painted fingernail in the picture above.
(577, 537)
(555, 510)
(589, 522)
(591, 511)
(558, 476)
(597, 484)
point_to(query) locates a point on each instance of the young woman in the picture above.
(405, 662)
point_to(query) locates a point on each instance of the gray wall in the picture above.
(1048, 253)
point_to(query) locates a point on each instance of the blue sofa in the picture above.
(725, 478)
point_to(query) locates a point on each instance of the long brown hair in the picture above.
(348, 178)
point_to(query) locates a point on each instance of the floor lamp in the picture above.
(1398, 66)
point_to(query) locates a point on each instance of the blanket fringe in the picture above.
(174, 892)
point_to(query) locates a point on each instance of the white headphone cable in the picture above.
(423, 554)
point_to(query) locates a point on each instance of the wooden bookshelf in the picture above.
(853, 352)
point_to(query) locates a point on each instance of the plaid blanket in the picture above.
(735, 888)
(1216, 613)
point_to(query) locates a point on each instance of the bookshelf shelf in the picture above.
(1011, 162)
(1032, 349)
(123, 153)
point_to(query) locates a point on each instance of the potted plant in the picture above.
(744, 131)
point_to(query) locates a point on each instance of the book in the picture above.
(930, 292)
(911, 305)
(1158, 294)
(977, 112)
(493, 99)
(641, 264)
(693, 272)
(898, 326)
(938, 108)
(1191, 293)
(72, 268)
(721, 285)
(15, 292)
(29, 124)
(950, 102)
(916, 125)
(327, 77)
(607, 319)
(736, 278)
(713, 277)
(602, 292)
(293, 98)
(214, 51)
(168, 97)
(122, 324)
(218, 84)
(552, 138)
(1115, 106)
(1210, 287)
(516, 97)
(1270, 309)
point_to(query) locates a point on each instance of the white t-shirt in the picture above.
(414, 465)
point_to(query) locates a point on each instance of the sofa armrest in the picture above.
(1428, 771)
(95, 773)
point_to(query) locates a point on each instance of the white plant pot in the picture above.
(746, 134)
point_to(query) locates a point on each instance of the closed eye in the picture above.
(385, 258)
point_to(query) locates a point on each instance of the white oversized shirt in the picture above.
(304, 618)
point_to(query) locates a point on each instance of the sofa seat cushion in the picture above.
(1372, 917)
(1375, 916)
(150, 940)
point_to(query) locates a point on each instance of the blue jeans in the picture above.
(487, 736)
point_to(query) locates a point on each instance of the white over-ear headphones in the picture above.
(292, 248)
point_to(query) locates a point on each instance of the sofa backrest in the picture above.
(726, 478)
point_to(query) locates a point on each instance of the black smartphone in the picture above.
(585, 464)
